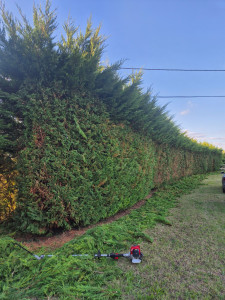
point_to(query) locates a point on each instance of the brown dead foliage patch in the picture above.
(58, 240)
(39, 136)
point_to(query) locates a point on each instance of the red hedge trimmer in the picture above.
(134, 255)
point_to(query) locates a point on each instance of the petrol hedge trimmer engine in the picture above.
(134, 255)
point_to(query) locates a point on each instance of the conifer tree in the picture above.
(61, 113)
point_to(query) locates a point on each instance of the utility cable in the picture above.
(174, 70)
(164, 97)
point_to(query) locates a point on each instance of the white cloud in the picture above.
(187, 111)
(200, 137)
(218, 139)
(194, 135)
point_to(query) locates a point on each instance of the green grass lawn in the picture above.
(182, 261)
(187, 260)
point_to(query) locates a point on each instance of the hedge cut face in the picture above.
(134, 255)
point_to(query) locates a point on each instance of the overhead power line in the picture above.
(180, 70)
(175, 70)
(190, 96)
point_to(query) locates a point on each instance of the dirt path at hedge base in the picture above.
(186, 260)
(34, 243)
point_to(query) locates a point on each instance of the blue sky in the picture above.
(186, 34)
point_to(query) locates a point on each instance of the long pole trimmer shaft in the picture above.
(134, 255)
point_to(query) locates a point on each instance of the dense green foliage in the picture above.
(87, 143)
(7, 195)
(74, 168)
(223, 157)
(66, 277)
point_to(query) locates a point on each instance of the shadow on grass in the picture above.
(216, 206)
(214, 190)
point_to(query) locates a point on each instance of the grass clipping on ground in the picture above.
(186, 261)
(66, 277)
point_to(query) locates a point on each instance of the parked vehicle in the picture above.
(223, 181)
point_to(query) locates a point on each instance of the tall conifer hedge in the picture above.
(84, 142)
